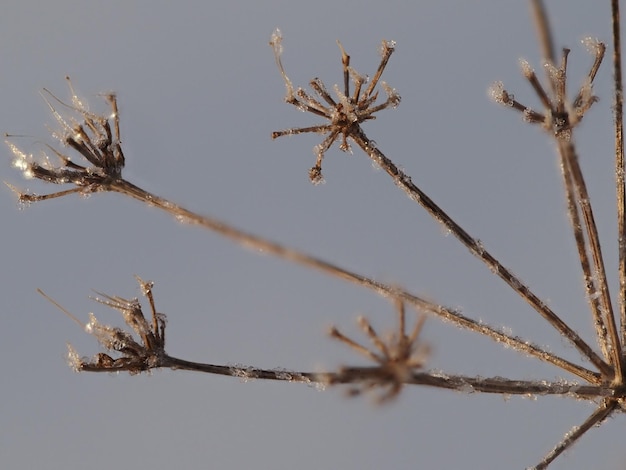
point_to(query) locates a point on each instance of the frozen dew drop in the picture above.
(21, 161)
(73, 358)
(480, 249)
(594, 295)
(466, 388)
(506, 330)
(183, 219)
(510, 98)
(244, 373)
(284, 375)
(319, 386)
(20, 164)
(92, 324)
(23, 204)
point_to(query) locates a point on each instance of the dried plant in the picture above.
(399, 359)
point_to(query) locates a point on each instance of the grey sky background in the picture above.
(199, 95)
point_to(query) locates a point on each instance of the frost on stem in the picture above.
(560, 115)
(96, 137)
(344, 112)
(396, 356)
(276, 41)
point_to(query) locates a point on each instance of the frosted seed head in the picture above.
(343, 99)
(316, 176)
(357, 78)
(497, 93)
(527, 70)
(76, 101)
(593, 45)
(276, 41)
(387, 47)
(555, 74)
(392, 94)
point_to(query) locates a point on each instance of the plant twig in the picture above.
(618, 96)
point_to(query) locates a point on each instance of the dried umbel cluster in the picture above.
(346, 112)
(560, 115)
(399, 359)
(95, 137)
(140, 348)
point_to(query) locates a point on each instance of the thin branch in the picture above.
(268, 247)
(570, 162)
(544, 32)
(602, 412)
(351, 375)
(619, 163)
(591, 290)
(265, 246)
(88, 180)
(404, 182)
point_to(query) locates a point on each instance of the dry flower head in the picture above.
(397, 356)
(346, 112)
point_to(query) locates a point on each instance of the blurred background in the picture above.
(199, 95)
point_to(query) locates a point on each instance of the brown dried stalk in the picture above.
(559, 118)
(93, 178)
(404, 182)
(141, 348)
(400, 360)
